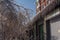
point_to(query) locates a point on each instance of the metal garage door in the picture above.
(55, 28)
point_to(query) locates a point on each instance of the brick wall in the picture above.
(42, 4)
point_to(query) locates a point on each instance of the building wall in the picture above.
(41, 4)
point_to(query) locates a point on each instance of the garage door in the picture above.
(55, 28)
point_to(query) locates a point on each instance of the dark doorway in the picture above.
(48, 34)
(39, 32)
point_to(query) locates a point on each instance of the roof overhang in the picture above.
(53, 14)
